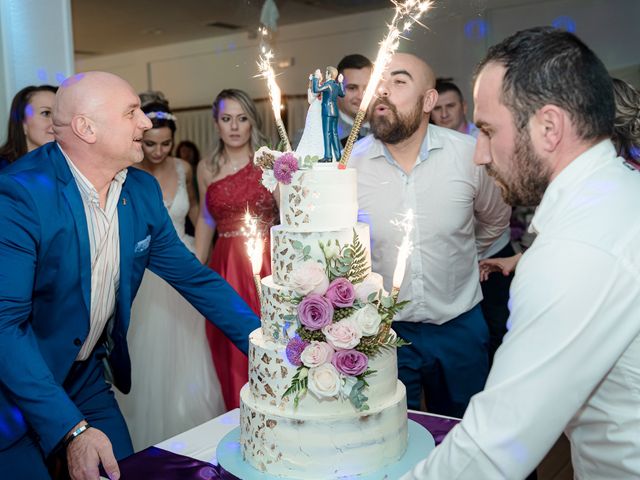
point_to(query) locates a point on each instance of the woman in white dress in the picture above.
(174, 383)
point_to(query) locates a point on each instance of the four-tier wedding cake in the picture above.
(323, 399)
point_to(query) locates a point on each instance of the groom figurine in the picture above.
(78, 228)
(331, 90)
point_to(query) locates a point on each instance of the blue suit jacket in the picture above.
(45, 282)
(330, 90)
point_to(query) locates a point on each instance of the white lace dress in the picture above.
(174, 383)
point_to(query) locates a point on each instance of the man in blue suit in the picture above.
(77, 230)
(331, 90)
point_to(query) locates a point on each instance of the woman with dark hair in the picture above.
(30, 122)
(175, 387)
(626, 127)
(229, 185)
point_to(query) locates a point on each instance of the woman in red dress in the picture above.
(229, 185)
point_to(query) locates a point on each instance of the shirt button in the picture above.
(77, 342)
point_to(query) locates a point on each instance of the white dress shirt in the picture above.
(571, 359)
(104, 244)
(458, 212)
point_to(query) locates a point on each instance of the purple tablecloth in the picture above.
(156, 463)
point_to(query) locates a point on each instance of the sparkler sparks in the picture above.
(404, 250)
(407, 13)
(255, 248)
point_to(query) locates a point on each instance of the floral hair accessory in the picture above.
(161, 116)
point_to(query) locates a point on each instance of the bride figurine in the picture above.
(312, 141)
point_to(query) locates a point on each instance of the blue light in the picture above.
(60, 77)
(475, 29)
(42, 75)
(564, 22)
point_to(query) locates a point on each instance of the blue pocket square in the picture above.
(143, 245)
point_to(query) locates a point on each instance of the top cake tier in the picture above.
(319, 199)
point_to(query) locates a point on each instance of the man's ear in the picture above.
(430, 100)
(84, 128)
(548, 125)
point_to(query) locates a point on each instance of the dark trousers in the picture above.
(495, 291)
(448, 362)
(86, 386)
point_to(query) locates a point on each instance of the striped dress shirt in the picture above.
(104, 242)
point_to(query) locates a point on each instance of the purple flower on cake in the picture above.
(316, 354)
(315, 312)
(343, 335)
(284, 167)
(350, 362)
(309, 277)
(341, 293)
(371, 284)
(294, 350)
(324, 381)
(368, 319)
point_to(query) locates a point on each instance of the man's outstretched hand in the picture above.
(87, 451)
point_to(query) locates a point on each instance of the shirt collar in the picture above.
(431, 141)
(579, 169)
(87, 190)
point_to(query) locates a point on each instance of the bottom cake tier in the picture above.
(307, 446)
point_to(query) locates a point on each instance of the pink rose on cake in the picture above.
(317, 353)
(343, 335)
(315, 312)
(368, 319)
(350, 362)
(294, 350)
(324, 381)
(309, 277)
(341, 293)
(371, 284)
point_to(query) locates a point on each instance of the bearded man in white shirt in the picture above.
(571, 360)
(409, 164)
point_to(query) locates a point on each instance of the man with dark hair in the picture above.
(571, 360)
(409, 164)
(356, 70)
(451, 109)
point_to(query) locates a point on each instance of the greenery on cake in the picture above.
(344, 319)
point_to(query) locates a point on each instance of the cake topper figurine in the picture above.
(331, 89)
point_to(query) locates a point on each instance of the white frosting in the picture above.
(270, 375)
(308, 445)
(319, 199)
(273, 308)
(285, 258)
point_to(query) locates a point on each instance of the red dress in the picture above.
(227, 201)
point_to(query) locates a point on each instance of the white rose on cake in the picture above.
(316, 353)
(324, 381)
(368, 319)
(269, 180)
(309, 277)
(371, 284)
(343, 335)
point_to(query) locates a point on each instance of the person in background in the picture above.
(229, 185)
(30, 124)
(451, 109)
(409, 164)
(451, 112)
(187, 150)
(176, 385)
(571, 359)
(356, 70)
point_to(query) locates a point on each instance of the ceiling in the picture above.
(103, 27)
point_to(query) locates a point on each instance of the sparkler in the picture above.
(408, 13)
(404, 250)
(255, 248)
(266, 71)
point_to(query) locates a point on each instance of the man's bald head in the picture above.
(421, 72)
(85, 94)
